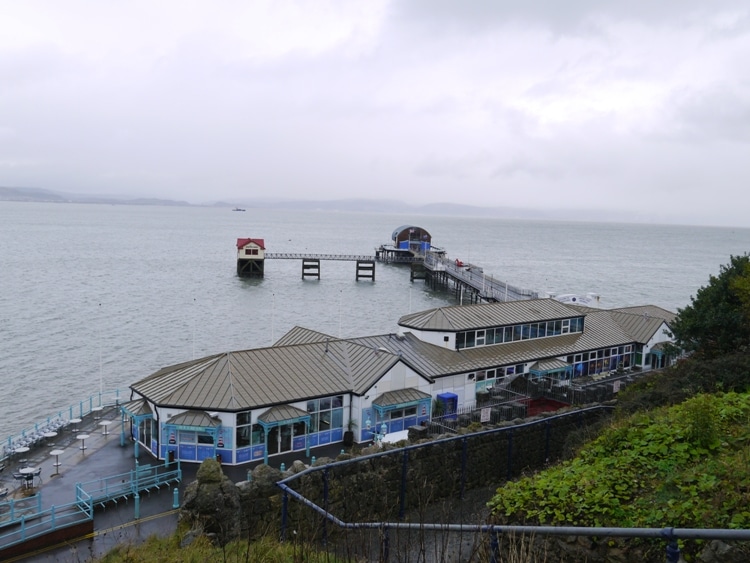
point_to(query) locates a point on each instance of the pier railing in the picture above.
(488, 287)
(144, 478)
(306, 256)
(24, 519)
(34, 435)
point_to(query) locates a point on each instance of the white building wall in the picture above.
(436, 338)
(242, 255)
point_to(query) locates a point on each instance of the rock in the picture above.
(265, 478)
(297, 467)
(322, 461)
(212, 504)
(210, 472)
(720, 552)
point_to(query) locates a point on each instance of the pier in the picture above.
(410, 245)
(365, 268)
(469, 282)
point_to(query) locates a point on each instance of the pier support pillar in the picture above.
(418, 271)
(310, 268)
(366, 269)
(250, 268)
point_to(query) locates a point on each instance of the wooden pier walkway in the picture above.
(441, 271)
(345, 257)
(468, 281)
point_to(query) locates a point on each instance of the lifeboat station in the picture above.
(311, 389)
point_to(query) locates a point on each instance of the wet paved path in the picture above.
(104, 456)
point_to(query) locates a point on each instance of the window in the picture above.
(205, 439)
(398, 414)
(258, 435)
(460, 340)
(326, 413)
(499, 335)
(566, 326)
(243, 430)
(187, 437)
(479, 338)
(517, 332)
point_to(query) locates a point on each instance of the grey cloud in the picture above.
(568, 16)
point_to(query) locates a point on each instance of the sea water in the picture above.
(99, 296)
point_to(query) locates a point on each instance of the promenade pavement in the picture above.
(105, 456)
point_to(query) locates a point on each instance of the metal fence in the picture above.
(24, 519)
(371, 500)
(73, 414)
(144, 478)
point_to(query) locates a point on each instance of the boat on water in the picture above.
(238, 209)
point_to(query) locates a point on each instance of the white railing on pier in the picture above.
(30, 437)
(488, 287)
(306, 256)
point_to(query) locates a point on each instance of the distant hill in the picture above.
(345, 205)
(41, 195)
(349, 205)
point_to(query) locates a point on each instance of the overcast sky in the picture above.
(641, 106)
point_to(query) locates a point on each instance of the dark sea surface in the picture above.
(98, 296)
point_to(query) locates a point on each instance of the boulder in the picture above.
(212, 504)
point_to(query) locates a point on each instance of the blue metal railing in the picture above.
(143, 478)
(24, 519)
(35, 434)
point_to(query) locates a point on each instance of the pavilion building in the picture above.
(309, 388)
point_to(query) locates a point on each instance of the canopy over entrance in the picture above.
(394, 400)
(281, 420)
(551, 367)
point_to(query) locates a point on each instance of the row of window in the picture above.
(600, 354)
(498, 373)
(402, 413)
(515, 333)
(325, 414)
(584, 363)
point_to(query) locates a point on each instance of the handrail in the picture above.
(32, 524)
(61, 419)
(307, 256)
(104, 489)
(669, 534)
